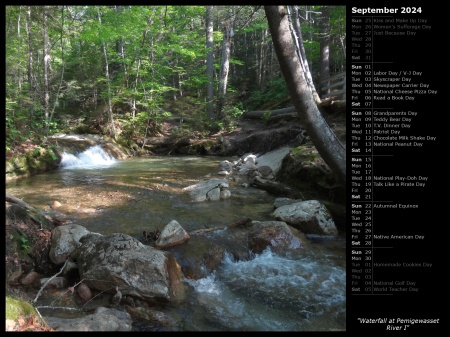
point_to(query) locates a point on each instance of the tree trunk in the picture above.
(62, 72)
(19, 47)
(323, 138)
(301, 50)
(325, 48)
(210, 61)
(225, 64)
(30, 51)
(261, 58)
(108, 81)
(46, 67)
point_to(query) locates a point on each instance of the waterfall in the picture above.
(92, 158)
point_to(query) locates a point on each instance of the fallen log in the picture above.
(258, 114)
(13, 199)
(32, 211)
(330, 104)
(286, 116)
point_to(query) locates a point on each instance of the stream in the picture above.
(298, 292)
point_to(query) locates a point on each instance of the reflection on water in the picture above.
(268, 292)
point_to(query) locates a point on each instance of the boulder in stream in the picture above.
(103, 319)
(138, 270)
(65, 240)
(208, 190)
(173, 234)
(310, 216)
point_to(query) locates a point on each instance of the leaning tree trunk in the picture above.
(302, 52)
(323, 138)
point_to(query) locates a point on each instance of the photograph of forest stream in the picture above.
(175, 168)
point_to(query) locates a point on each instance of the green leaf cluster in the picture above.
(155, 65)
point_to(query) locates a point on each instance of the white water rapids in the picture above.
(93, 158)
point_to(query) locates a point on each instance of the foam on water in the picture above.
(92, 158)
(274, 292)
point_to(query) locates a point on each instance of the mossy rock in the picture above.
(305, 154)
(28, 235)
(37, 161)
(16, 308)
(18, 311)
(304, 168)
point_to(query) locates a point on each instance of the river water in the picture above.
(299, 292)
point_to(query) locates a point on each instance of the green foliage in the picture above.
(232, 114)
(24, 243)
(16, 308)
(235, 111)
(51, 149)
(266, 117)
(156, 59)
(275, 91)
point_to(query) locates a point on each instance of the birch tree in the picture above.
(210, 61)
(225, 64)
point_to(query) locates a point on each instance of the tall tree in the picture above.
(46, 65)
(108, 82)
(325, 47)
(297, 32)
(55, 103)
(323, 138)
(210, 61)
(224, 63)
(19, 48)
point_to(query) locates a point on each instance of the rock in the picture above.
(274, 159)
(104, 319)
(69, 268)
(115, 300)
(275, 234)
(265, 171)
(84, 292)
(128, 300)
(30, 278)
(310, 216)
(118, 259)
(226, 165)
(198, 258)
(173, 234)
(249, 160)
(285, 201)
(65, 240)
(207, 190)
(14, 278)
(55, 282)
(154, 318)
(225, 194)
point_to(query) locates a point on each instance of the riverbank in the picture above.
(140, 193)
(302, 169)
